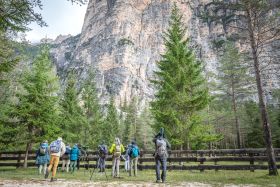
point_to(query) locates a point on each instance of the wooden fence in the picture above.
(224, 159)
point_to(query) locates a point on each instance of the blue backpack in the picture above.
(134, 152)
(55, 146)
(68, 150)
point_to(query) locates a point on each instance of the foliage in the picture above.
(111, 126)
(73, 120)
(36, 111)
(181, 91)
(92, 130)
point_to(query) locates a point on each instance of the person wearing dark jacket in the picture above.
(66, 159)
(43, 157)
(74, 156)
(161, 155)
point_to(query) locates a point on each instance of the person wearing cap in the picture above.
(74, 155)
(57, 149)
(43, 157)
(133, 158)
(116, 150)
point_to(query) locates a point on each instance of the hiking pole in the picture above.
(97, 163)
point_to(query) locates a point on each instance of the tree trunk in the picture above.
(28, 147)
(237, 125)
(263, 110)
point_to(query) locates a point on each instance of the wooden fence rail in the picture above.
(223, 159)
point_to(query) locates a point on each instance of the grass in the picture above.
(173, 177)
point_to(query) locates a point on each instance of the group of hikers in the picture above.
(51, 154)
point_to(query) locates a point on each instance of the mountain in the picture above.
(122, 40)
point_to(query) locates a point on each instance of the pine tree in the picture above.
(130, 122)
(92, 131)
(73, 120)
(180, 84)
(234, 77)
(258, 26)
(37, 107)
(110, 128)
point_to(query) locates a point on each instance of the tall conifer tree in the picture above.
(181, 86)
(37, 107)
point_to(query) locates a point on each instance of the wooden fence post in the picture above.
(201, 162)
(18, 161)
(252, 167)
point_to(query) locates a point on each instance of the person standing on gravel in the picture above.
(57, 149)
(161, 155)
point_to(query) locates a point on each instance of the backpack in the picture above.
(55, 146)
(134, 152)
(103, 151)
(42, 150)
(117, 151)
(161, 148)
(68, 150)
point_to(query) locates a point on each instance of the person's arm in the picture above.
(122, 148)
(63, 149)
(112, 149)
(168, 145)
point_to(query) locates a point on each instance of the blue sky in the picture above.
(62, 17)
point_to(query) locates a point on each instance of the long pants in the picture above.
(73, 165)
(126, 164)
(116, 166)
(161, 161)
(53, 164)
(101, 163)
(133, 166)
(65, 163)
(43, 167)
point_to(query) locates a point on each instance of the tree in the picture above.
(233, 74)
(130, 121)
(257, 24)
(36, 111)
(110, 128)
(92, 130)
(181, 91)
(73, 120)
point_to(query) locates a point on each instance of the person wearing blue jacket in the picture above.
(74, 156)
(43, 157)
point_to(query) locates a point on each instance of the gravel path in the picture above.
(63, 183)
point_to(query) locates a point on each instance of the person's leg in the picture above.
(135, 166)
(74, 165)
(40, 169)
(118, 166)
(67, 165)
(63, 165)
(114, 166)
(50, 166)
(163, 163)
(45, 168)
(130, 166)
(157, 168)
(56, 161)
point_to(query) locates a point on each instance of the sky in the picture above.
(62, 17)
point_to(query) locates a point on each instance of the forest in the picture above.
(236, 107)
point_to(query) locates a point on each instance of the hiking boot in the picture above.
(47, 174)
(158, 181)
(53, 179)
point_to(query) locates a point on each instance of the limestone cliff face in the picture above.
(122, 39)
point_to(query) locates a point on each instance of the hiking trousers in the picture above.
(65, 163)
(53, 164)
(161, 161)
(116, 166)
(133, 166)
(101, 164)
(43, 167)
(73, 165)
(126, 164)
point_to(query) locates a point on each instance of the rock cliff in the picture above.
(122, 40)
